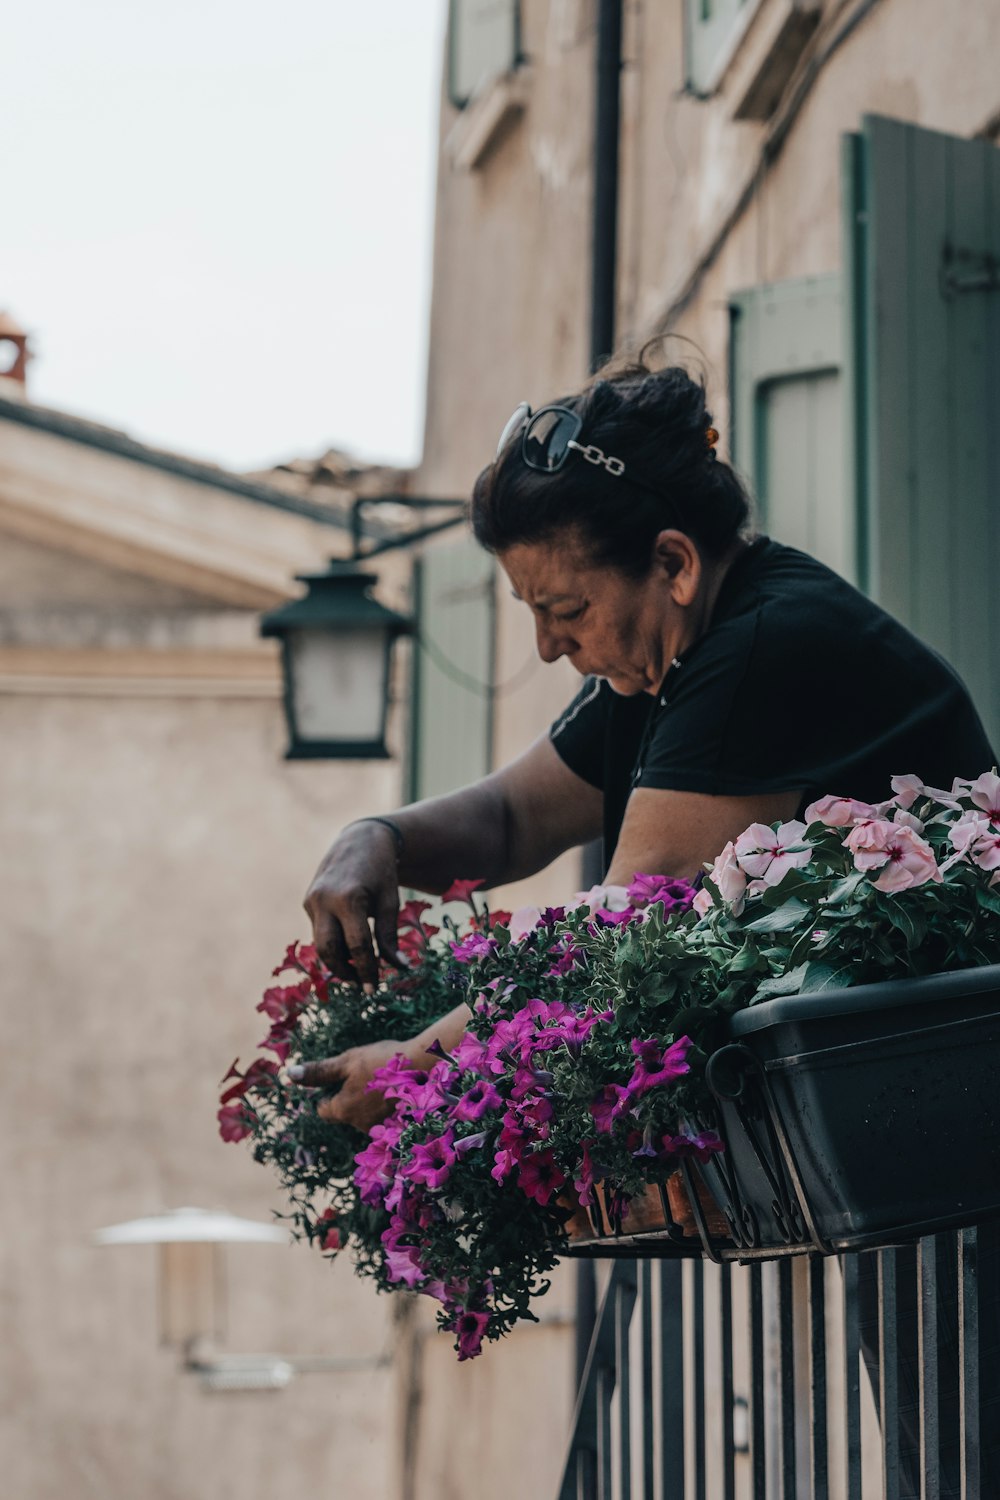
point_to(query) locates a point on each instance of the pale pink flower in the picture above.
(975, 837)
(907, 789)
(769, 853)
(703, 902)
(729, 879)
(523, 921)
(906, 819)
(904, 858)
(985, 793)
(603, 897)
(838, 812)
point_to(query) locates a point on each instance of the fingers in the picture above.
(328, 936)
(358, 937)
(327, 1073)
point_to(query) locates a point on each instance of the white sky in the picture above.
(217, 218)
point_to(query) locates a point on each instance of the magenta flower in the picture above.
(402, 1264)
(431, 1161)
(477, 1100)
(476, 945)
(584, 1184)
(671, 894)
(470, 1056)
(569, 957)
(539, 1176)
(375, 1166)
(608, 1106)
(656, 1064)
(470, 1329)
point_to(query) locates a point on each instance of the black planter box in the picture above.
(862, 1116)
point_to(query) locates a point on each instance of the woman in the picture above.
(728, 680)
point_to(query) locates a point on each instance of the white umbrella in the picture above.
(191, 1225)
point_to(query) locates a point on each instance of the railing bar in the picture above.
(786, 1356)
(852, 1376)
(728, 1392)
(968, 1361)
(698, 1317)
(646, 1334)
(671, 1363)
(605, 1390)
(586, 1475)
(888, 1372)
(818, 1380)
(623, 1371)
(758, 1446)
(927, 1369)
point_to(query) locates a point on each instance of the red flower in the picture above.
(461, 890)
(331, 1238)
(260, 1074)
(236, 1122)
(411, 911)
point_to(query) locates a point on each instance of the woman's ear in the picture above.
(678, 559)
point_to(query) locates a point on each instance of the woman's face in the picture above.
(608, 625)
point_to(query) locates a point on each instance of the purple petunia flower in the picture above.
(431, 1161)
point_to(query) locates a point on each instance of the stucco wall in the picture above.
(155, 853)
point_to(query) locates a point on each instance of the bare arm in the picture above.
(677, 833)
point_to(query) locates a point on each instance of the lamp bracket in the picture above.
(458, 511)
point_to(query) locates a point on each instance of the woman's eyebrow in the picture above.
(545, 601)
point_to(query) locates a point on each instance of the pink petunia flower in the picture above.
(473, 1104)
(656, 1064)
(540, 1177)
(236, 1122)
(431, 1161)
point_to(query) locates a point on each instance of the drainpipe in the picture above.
(603, 286)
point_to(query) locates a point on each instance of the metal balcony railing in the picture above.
(864, 1376)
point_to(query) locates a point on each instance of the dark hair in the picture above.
(657, 421)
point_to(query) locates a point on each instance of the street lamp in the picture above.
(191, 1291)
(336, 646)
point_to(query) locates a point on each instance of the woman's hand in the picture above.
(358, 880)
(351, 1072)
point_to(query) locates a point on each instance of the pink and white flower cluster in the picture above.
(886, 841)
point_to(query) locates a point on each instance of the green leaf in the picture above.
(783, 920)
(780, 984)
(843, 890)
(988, 899)
(819, 976)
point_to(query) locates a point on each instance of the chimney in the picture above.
(14, 354)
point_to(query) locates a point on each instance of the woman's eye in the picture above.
(573, 614)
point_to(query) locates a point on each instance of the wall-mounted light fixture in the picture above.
(192, 1297)
(337, 640)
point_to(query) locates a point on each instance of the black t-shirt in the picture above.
(799, 683)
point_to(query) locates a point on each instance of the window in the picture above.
(712, 30)
(484, 42)
(787, 415)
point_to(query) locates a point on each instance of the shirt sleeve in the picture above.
(580, 732)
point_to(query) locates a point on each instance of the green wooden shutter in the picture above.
(451, 717)
(923, 257)
(787, 417)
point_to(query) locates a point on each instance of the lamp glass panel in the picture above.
(338, 684)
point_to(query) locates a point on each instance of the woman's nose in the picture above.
(552, 643)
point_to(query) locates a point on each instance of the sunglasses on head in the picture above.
(550, 436)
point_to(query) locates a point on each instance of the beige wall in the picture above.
(155, 848)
